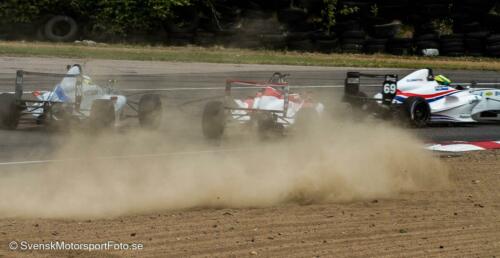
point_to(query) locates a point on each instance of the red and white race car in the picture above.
(273, 108)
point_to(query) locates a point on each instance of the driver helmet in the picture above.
(87, 80)
(442, 80)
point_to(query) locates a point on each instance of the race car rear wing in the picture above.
(19, 86)
(277, 80)
(353, 83)
(284, 87)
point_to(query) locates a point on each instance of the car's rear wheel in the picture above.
(213, 120)
(415, 112)
(102, 114)
(150, 111)
(10, 112)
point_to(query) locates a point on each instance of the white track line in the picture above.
(293, 87)
(132, 156)
(249, 87)
(222, 88)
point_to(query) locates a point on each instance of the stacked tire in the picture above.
(325, 42)
(205, 38)
(273, 41)
(432, 8)
(181, 29)
(473, 7)
(386, 30)
(426, 41)
(282, 25)
(382, 34)
(400, 46)
(452, 45)
(374, 46)
(352, 38)
(299, 41)
(298, 36)
(493, 45)
(180, 38)
(475, 42)
(491, 22)
(392, 9)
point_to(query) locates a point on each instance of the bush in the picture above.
(27, 11)
(110, 16)
(122, 17)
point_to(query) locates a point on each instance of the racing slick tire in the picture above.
(102, 114)
(213, 120)
(150, 111)
(415, 112)
(10, 112)
(54, 32)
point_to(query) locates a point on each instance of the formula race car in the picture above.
(273, 109)
(421, 98)
(75, 99)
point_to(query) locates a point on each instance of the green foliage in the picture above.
(346, 10)
(331, 12)
(112, 16)
(24, 11)
(374, 10)
(328, 13)
(20, 10)
(120, 17)
(443, 26)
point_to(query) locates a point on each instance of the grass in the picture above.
(229, 55)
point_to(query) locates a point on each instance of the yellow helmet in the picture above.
(441, 79)
(87, 80)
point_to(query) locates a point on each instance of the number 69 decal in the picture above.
(390, 88)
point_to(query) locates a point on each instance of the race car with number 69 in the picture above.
(421, 98)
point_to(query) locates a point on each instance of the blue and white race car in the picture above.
(75, 99)
(421, 98)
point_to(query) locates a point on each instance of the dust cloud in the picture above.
(333, 161)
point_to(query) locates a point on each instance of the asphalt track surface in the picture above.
(187, 92)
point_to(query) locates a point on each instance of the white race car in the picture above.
(76, 99)
(272, 109)
(421, 98)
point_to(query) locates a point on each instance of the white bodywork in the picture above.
(447, 103)
(65, 92)
(488, 109)
(272, 99)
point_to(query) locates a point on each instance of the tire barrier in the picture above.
(398, 27)
(361, 31)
